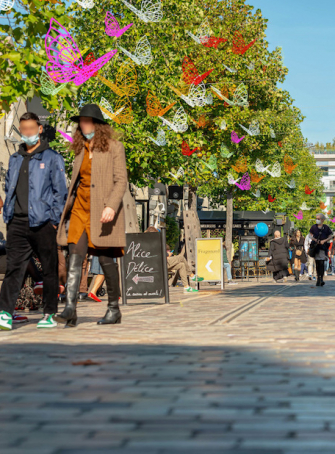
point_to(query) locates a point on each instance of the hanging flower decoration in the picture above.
(154, 107)
(65, 61)
(241, 165)
(190, 72)
(288, 164)
(239, 46)
(185, 149)
(112, 27)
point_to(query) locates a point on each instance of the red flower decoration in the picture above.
(190, 72)
(308, 191)
(270, 199)
(185, 149)
(239, 46)
(212, 41)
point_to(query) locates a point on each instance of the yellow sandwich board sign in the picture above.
(209, 260)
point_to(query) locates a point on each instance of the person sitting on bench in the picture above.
(179, 263)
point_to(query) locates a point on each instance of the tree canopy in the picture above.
(225, 39)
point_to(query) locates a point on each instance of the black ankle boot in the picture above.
(113, 314)
(69, 314)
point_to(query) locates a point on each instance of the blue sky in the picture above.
(306, 32)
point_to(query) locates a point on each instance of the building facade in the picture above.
(325, 160)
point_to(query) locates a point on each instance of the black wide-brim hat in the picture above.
(90, 110)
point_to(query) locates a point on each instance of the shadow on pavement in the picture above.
(164, 399)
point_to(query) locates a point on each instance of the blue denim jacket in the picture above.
(47, 187)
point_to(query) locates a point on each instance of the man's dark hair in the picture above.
(30, 116)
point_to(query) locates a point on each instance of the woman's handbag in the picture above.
(313, 249)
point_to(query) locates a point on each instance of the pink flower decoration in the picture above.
(245, 184)
(113, 27)
(65, 61)
(235, 138)
(299, 216)
(66, 136)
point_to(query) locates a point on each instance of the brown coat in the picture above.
(108, 185)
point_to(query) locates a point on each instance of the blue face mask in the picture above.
(32, 140)
(89, 136)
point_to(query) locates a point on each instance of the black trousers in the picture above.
(21, 242)
(320, 268)
(106, 260)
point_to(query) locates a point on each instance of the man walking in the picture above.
(35, 198)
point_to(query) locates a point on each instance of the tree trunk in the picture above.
(229, 224)
(192, 199)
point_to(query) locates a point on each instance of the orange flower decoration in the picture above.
(202, 122)
(241, 165)
(288, 164)
(323, 206)
(255, 178)
(329, 212)
(154, 107)
(125, 81)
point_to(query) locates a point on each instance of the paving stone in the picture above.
(173, 379)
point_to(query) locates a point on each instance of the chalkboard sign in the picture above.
(144, 267)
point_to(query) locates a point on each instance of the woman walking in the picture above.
(278, 259)
(297, 243)
(319, 248)
(99, 279)
(94, 209)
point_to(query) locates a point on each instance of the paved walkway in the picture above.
(247, 371)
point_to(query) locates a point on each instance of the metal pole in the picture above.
(165, 270)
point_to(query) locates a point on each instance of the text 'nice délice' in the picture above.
(136, 252)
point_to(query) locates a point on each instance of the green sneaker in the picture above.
(190, 290)
(47, 322)
(197, 279)
(6, 321)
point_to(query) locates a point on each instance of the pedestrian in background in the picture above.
(278, 259)
(227, 265)
(297, 243)
(310, 260)
(180, 264)
(99, 278)
(332, 255)
(321, 234)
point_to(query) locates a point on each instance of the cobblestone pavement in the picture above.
(247, 371)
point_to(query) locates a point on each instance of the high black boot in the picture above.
(113, 314)
(318, 282)
(296, 274)
(69, 314)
